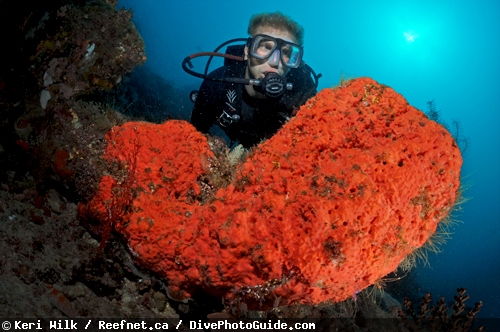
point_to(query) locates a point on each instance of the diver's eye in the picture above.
(286, 51)
(265, 47)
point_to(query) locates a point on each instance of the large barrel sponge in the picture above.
(354, 183)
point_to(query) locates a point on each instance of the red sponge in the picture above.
(335, 200)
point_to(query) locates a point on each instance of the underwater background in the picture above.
(447, 52)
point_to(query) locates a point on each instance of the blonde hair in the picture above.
(277, 21)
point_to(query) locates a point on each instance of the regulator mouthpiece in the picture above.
(273, 86)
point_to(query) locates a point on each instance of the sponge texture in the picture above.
(354, 183)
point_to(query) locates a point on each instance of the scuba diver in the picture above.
(261, 85)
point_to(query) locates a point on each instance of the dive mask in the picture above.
(263, 46)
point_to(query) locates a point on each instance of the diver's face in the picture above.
(256, 68)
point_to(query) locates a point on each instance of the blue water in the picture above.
(448, 51)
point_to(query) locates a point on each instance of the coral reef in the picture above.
(333, 202)
(73, 50)
(93, 47)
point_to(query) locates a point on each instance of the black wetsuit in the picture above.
(259, 119)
